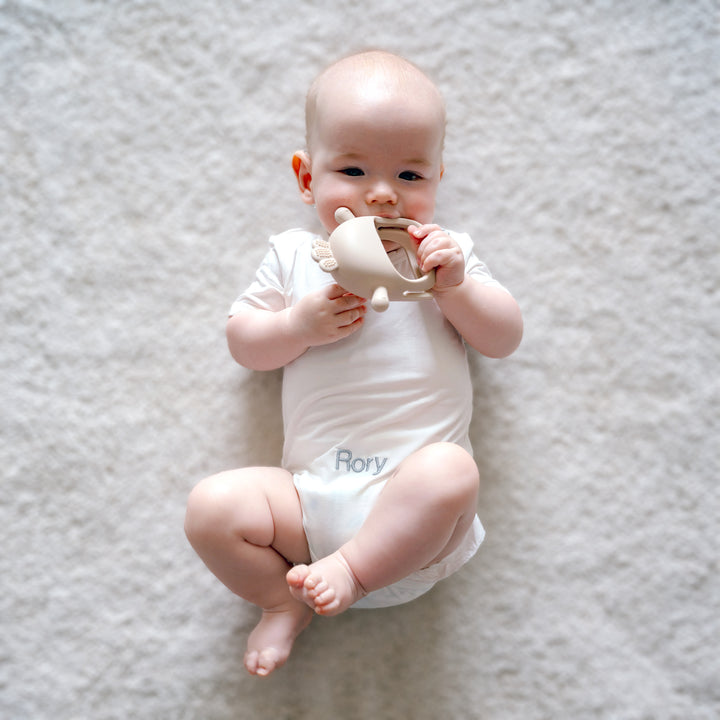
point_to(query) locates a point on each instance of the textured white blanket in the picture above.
(144, 154)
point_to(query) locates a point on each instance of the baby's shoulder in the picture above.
(290, 241)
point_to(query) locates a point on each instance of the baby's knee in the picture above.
(207, 508)
(452, 473)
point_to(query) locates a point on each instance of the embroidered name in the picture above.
(345, 458)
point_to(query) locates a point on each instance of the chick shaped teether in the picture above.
(355, 256)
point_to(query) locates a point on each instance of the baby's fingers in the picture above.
(335, 291)
(351, 317)
(439, 258)
(340, 295)
(346, 301)
(438, 244)
(420, 232)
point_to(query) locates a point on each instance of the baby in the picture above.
(376, 498)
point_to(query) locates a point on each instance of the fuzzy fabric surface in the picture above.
(144, 161)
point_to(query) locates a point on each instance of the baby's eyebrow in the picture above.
(352, 156)
(417, 161)
(349, 156)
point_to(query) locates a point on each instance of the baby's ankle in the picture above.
(360, 590)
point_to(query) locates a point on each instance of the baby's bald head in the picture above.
(374, 77)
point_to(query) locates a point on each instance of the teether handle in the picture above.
(380, 300)
(343, 214)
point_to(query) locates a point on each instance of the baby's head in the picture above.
(375, 127)
(371, 77)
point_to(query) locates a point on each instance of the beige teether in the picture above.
(355, 256)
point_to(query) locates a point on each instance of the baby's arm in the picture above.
(264, 340)
(487, 317)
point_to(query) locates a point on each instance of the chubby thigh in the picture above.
(423, 580)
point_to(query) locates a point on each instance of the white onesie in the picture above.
(353, 410)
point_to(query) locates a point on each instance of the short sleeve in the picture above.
(267, 291)
(473, 265)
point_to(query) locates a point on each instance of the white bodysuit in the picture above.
(353, 410)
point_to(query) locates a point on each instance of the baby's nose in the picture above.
(380, 192)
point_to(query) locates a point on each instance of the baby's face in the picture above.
(376, 154)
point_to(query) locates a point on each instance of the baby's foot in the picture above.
(270, 643)
(328, 586)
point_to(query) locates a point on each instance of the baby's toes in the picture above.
(251, 661)
(325, 597)
(297, 576)
(266, 662)
(315, 585)
(327, 608)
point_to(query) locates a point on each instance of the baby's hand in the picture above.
(327, 315)
(438, 250)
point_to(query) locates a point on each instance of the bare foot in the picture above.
(270, 643)
(328, 586)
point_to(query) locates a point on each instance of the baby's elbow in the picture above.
(251, 343)
(237, 343)
(506, 340)
(515, 333)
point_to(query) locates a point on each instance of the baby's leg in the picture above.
(420, 517)
(246, 525)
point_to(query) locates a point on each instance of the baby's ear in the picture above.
(302, 168)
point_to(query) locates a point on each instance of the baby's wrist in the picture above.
(292, 329)
(451, 288)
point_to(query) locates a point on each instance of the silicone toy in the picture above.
(355, 256)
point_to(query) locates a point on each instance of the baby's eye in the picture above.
(409, 175)
(352, 171)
